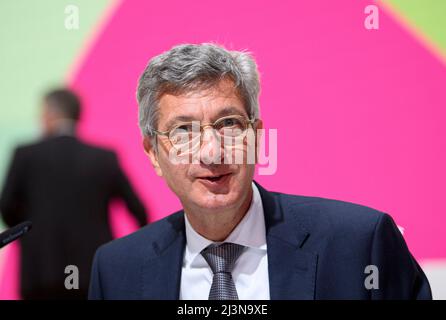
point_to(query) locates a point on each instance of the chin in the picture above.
(210, 200)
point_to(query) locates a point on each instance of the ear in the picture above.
(149, 150)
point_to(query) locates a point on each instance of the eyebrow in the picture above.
(226, 111)
(230, 110)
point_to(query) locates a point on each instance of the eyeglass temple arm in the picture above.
(162, 133)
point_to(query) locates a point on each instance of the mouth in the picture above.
(215, 180)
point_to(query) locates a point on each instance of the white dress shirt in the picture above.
(250, 271)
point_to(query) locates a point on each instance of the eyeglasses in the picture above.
(186, 136)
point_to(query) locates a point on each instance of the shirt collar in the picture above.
(250, 232)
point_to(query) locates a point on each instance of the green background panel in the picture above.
(36, 53)
(428, 16)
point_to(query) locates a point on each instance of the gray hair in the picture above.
(190, 67)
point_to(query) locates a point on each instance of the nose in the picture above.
(210, 148)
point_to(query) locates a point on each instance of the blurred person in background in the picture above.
(64, 187)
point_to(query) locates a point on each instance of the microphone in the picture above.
(14, 233)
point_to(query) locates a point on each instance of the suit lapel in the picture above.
(292, 270)
(161, 274)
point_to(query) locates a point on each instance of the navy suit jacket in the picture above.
(317, 249)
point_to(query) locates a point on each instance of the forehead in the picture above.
(205, 105)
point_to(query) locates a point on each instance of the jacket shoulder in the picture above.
(140, 243)
(330, 215)
(27, 148)
(97, 151)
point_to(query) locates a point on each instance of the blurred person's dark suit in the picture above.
(64, 187)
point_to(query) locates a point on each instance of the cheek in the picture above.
(245, 175)
(175, 174)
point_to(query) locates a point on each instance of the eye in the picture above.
(184, 127)
(231, 127)
(230, 123)
(180, 133)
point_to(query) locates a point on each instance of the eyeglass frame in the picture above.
(248, 121)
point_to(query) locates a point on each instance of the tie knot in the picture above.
(222, 257)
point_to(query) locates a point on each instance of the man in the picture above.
(64, 187)
(234, 239)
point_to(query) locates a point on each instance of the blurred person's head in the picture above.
(202, 83)
(60, 111)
